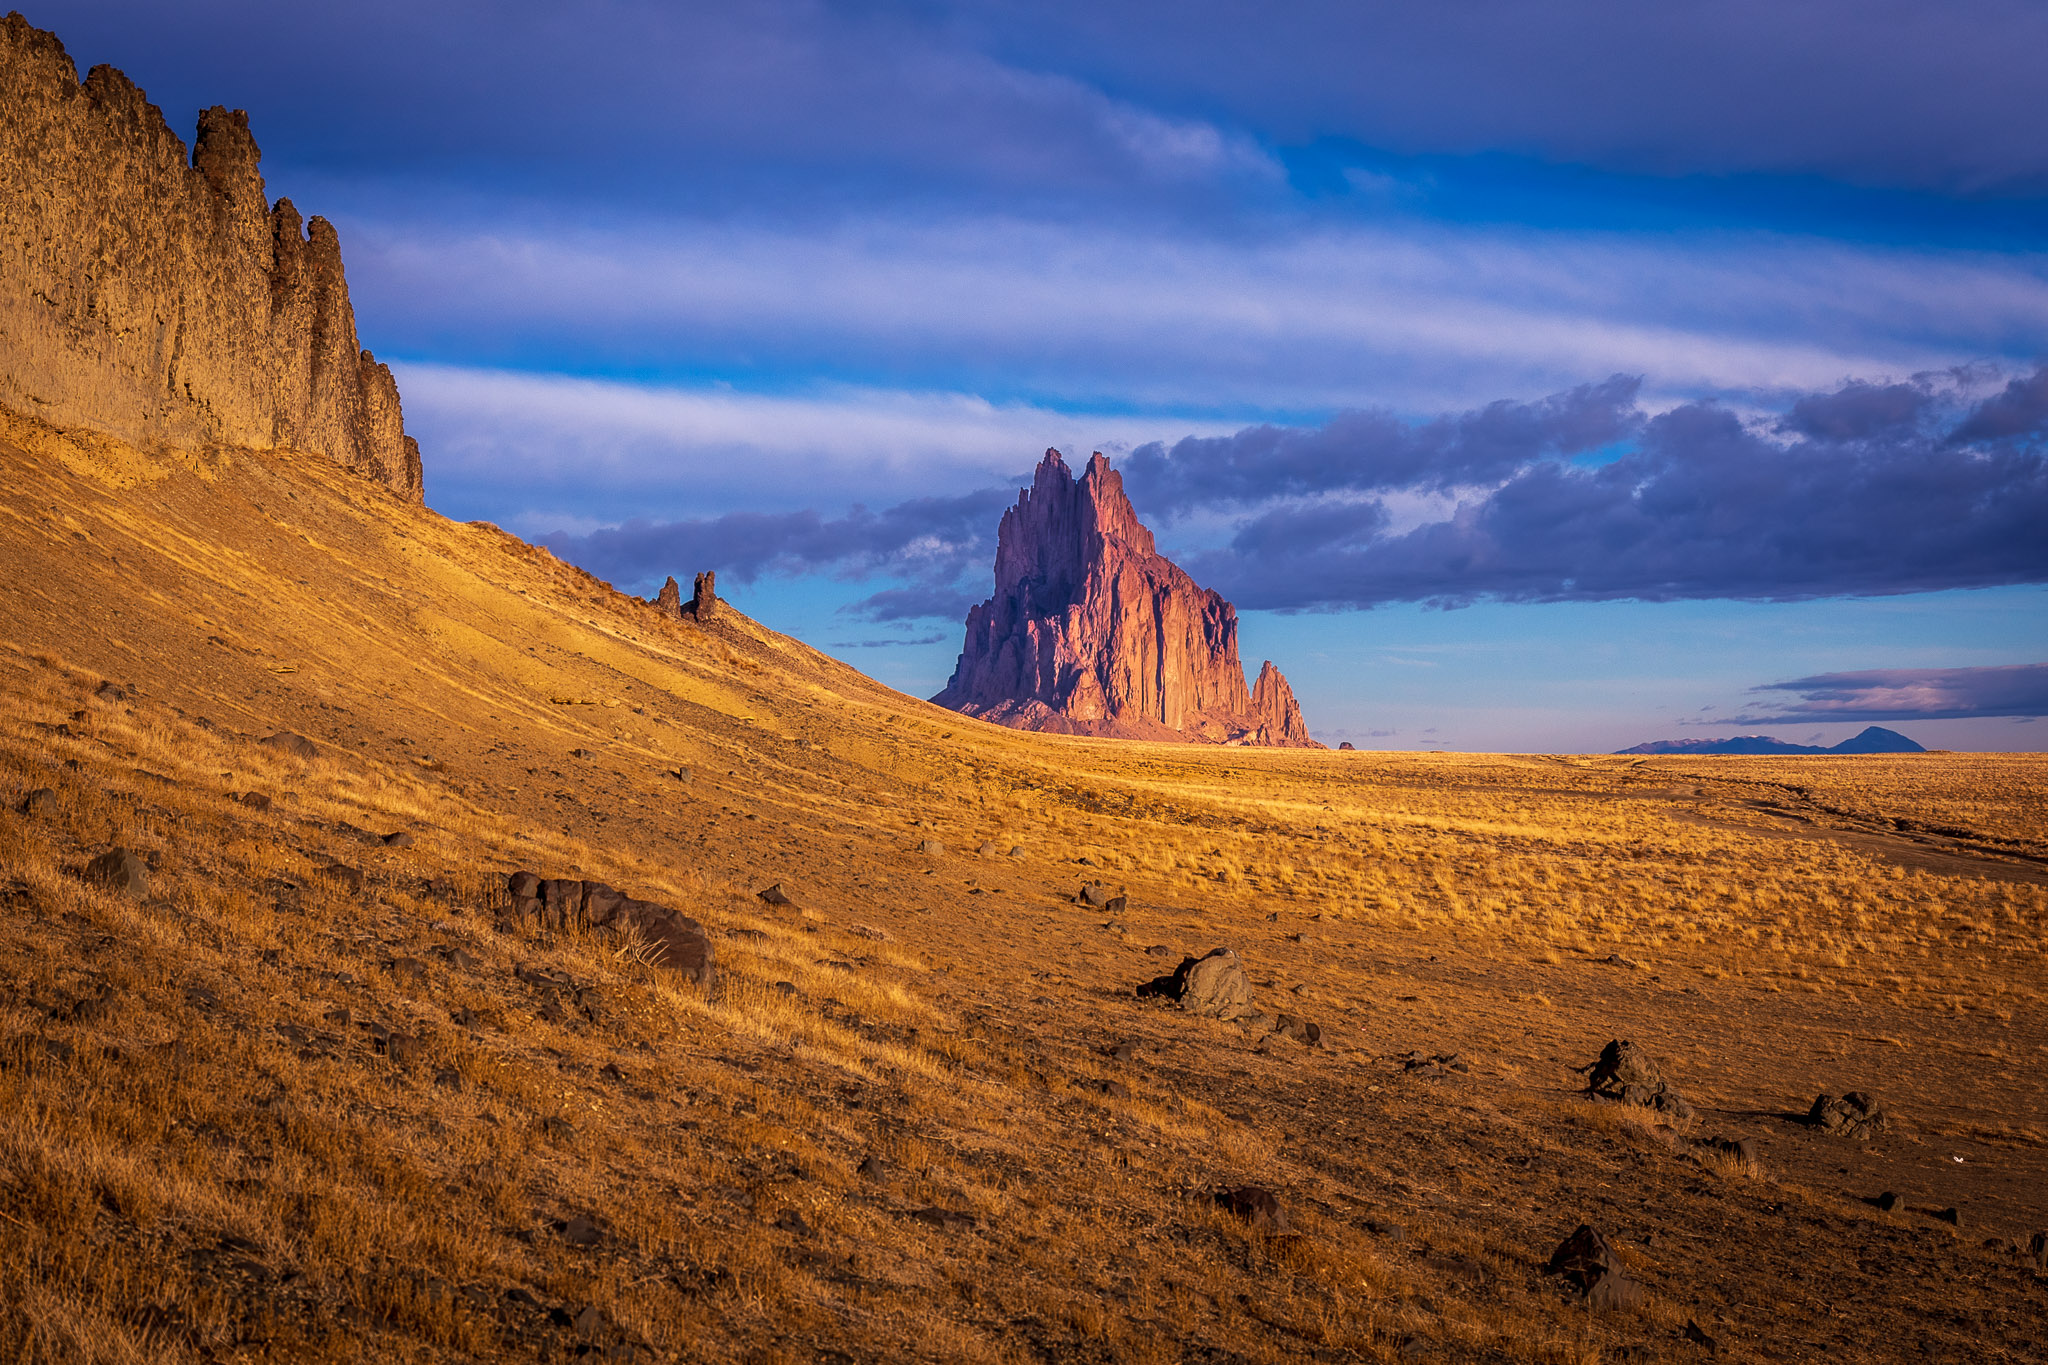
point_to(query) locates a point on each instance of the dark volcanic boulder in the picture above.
(1213, 985)
(1588, 1265)
(672, 940)
(1854, 1115)
(121, 872)
(1257, 1205)
(1622, 1064)
(1625, 1074)
(298, 746)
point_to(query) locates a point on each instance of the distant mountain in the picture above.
(1091, 631)
(1874, 740)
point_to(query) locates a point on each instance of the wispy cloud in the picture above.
(546, 452)
(1894, 694)
(1413, 316)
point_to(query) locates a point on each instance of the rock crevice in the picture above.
(167, 302)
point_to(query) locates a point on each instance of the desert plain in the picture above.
(305, 1088)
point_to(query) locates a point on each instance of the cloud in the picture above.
(912, 604)
(1375, 450)
(1865, 490)
(929, 540)
(543, 452)
(1017, 98)
(2020, 412)
(888, 643)
(1162, 317)
(1883, 694)
(1878, 92)
(1870, 495)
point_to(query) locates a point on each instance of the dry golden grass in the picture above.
(201, 1159)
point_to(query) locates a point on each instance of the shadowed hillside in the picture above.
(301, 1090)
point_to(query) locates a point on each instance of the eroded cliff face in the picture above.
(167, 302)
(1092, 631)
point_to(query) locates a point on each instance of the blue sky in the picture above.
(1534, 377)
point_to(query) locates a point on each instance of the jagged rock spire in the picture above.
(167, 303)
(1092, 631)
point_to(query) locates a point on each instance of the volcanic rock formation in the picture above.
(168, 304)
(1092, 631)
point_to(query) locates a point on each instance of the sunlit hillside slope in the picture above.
(319, 1094)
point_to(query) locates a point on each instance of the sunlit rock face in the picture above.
(166, 301)
(1091, 631)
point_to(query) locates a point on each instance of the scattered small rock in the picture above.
(349, 877)
(1213, 985)
(1743, 1150)
(298, 746)
(930, 846)
(448, 1078)
(40, 803)
(1854, 1115)
(872, 1168)
(790, 1221)
(868, 931)
(1589, 1265)
(988, 850)
(671, 940)
(1257, 1205)
(1017, 852)
(1625, 1074)
(775, 895)
(120, 871)
(1093, 894)
(945, 1220)
(253, 800)
(1159, 950)
(1300, 1030)
(581, 1232)
(1699, 1338)
(557, 1129)
(398, 839)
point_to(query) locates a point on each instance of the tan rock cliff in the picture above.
(168, 303)
(1092, 631)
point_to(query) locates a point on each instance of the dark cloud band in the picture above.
(2019, 690)
(1866, 490)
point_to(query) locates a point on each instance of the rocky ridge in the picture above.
(166, 302)
(1091, 631)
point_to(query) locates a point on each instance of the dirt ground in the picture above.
(899, 1125)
